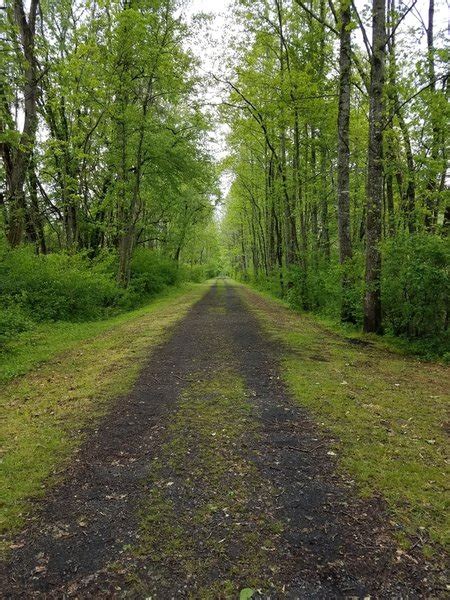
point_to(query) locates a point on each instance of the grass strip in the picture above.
(199, 524)
(45, 411)
(389, 411)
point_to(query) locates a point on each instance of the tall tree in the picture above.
(17, 152)
(372, 302)
(431, 208)
(343, 154)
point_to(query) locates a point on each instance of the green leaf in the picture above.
(246, 594)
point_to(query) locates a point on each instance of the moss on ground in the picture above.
(388, 411)
(44, 412)
(199, 525)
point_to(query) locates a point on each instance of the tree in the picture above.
(372, 303)
(17, 148)
(343, 153)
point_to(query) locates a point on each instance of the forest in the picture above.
(224, 299)
(336, 151)
(335, 157)
(108, 191)
(339, 197)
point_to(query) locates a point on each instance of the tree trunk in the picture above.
(16, 159)
(391, 162)
(290, 232)
(343, 159)
(432, 183)
(372, 303)
(409, 204)
(390, 196)
(35, 218)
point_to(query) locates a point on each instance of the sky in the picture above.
(206, 48)
(215, 6)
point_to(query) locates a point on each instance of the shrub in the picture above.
(195, 273)
(198, 273)
(151, 273)
(57, 286)
(416, 286)
(13, 320)
(320, 290)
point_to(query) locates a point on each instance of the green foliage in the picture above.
(246, 594)
(72, 287)
(121, 158)
(416, 287)
(13, 320)
(56, 287)
(201, 272)
(281, 224)
(196, 273)
(318, 289)
(151, 272)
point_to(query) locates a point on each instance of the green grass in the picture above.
(48, 339)
(389, 412)
(45, 410)
(436, 349)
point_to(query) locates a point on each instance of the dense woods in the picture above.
(338, 154)
(104, 158)
(336, 115)
(224, 299)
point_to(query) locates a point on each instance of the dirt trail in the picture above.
(292, 526)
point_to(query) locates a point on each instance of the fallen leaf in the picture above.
(40, 569)
(18, 545)
(246, 594)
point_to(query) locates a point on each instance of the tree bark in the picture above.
(432, 183)
(372, 303)
(343, 159)
(35, 217)
(16, 159)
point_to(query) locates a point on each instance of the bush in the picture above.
(320, 289)
(56, 287)
(13, 320)
(151, 273)
(72, 287)
(415, 290)
(416, 286)
(198, 273)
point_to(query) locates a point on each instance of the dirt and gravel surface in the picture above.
(85, 540)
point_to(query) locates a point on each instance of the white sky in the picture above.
(208, 5)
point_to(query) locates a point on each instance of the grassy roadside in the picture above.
(45, 340)
(45, 410)
(420, 349)
(389, 412)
